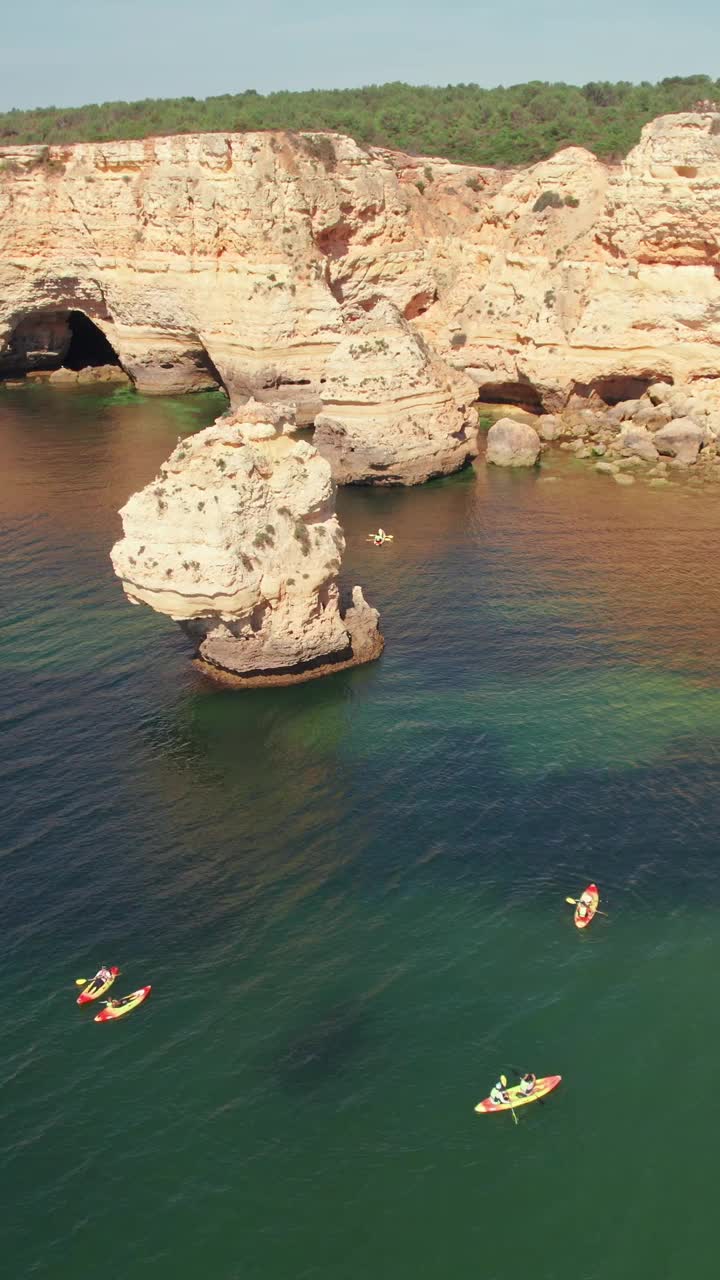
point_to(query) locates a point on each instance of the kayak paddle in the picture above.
(81, 982)
(574, 902)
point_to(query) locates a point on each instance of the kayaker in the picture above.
(111, 1004)
(527, 1084)
(103, 975)
(499, 1093)
(380, 537)
(584, 902)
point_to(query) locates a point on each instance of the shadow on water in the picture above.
(306, 1057)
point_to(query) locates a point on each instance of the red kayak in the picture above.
(582, 920)
(120, 1007)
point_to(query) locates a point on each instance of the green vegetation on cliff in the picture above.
(517, 125)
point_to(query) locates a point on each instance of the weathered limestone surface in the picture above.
(237, 539)
(672, 432)
(384, 384)
(240, 257)
(682, 438)
(512, 444)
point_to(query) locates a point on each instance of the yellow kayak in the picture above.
(94, 989)
(543, 1086)
(126, 1005)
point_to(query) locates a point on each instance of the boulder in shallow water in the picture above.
(681, 439)
(549, 427)
(639, 442)
(512, 444)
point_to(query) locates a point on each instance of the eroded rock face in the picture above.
(512, 444)
(393, 413)
(237, 258)
(237, 540)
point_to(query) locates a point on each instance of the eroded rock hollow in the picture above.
(237, 540)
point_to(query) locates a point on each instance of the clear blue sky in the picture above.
(68, 52)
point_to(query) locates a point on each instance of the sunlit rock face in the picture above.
(393, 413)
(240, 260)
(237, 540)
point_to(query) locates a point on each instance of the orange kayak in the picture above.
(582, 921)
(543, 1086)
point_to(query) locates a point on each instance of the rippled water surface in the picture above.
(349, 896)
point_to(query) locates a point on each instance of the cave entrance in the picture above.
(49, 340)
(522, 394)
(88, 344)
(614, 390)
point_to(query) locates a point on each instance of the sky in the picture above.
(70, 52)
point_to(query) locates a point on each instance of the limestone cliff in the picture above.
(238, 258)
(237, 539)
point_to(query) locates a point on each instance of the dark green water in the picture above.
(349, 896)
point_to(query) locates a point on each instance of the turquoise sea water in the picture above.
(349, 896)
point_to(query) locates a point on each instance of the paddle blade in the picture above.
(572, 901)
(80, 982)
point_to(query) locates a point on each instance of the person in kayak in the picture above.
(103, 975)
(499, 1093)
(379, 537)
(527, 1084)
(584, 903)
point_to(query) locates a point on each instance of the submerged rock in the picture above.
(512, 444)
(237, 540)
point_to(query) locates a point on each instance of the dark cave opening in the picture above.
(616, 389)
(50, 340)
(88, 344)
(522, 394)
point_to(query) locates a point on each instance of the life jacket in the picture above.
(527, 1086)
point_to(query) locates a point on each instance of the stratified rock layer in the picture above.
(238, 258)
(384, 384)
(237, 540)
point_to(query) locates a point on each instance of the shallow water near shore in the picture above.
(349, 895)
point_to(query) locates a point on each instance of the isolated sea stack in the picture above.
(237, 540)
